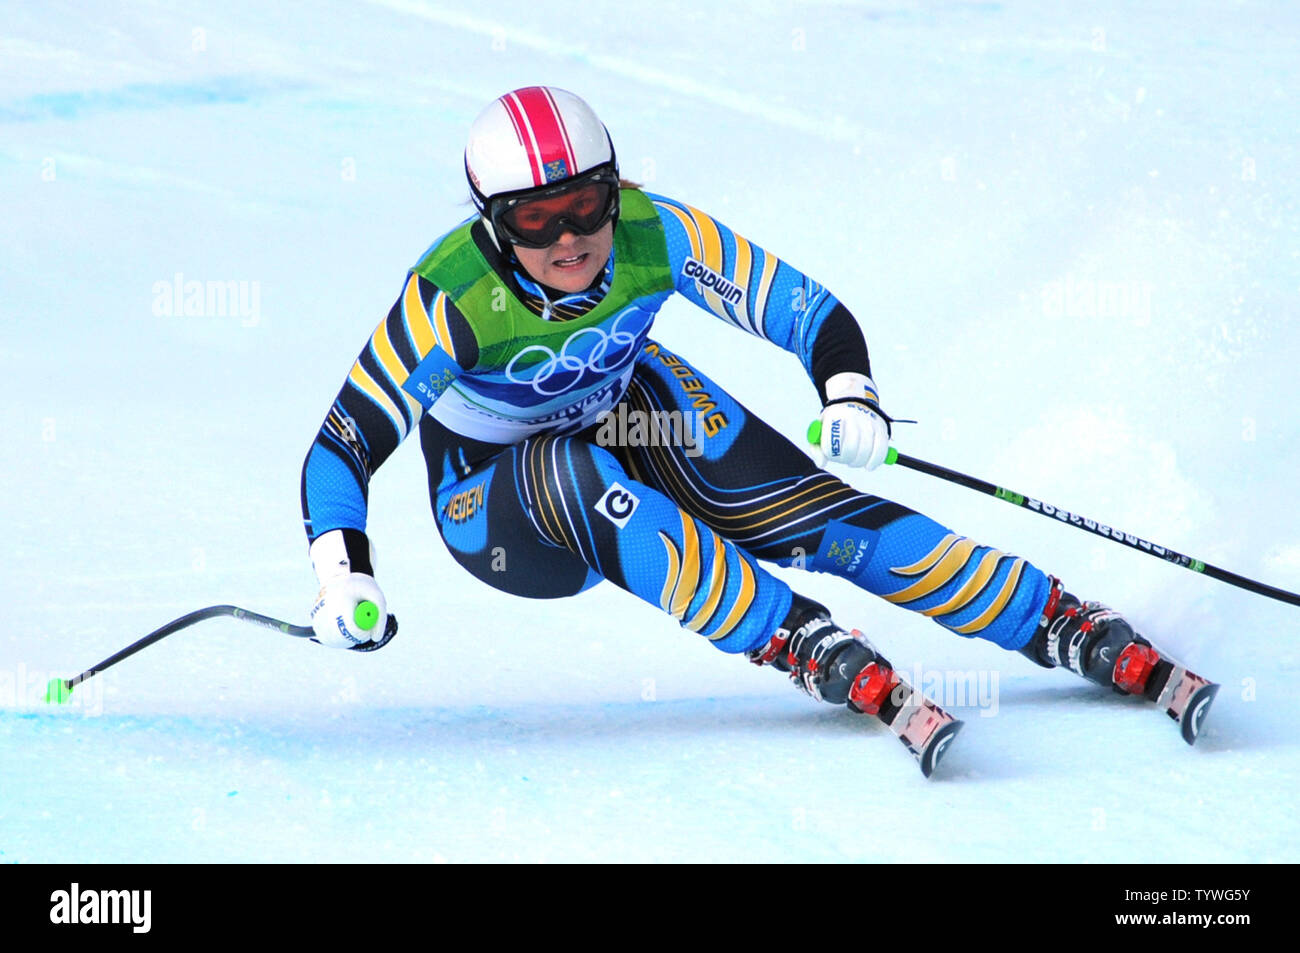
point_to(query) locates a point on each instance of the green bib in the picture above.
(504, 326)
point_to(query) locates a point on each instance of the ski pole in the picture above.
(59, 690)
(1080, 522)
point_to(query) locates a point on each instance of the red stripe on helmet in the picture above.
(570, 155)
(545, 137)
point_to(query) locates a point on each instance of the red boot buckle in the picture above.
(1134, 666)
(871, 688)
(775, 645)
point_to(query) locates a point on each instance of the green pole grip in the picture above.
(366, 615)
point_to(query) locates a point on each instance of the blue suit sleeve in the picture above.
(411, 358)
(746, 286)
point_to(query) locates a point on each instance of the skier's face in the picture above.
(572, 262)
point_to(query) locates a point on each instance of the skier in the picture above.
(565, 446)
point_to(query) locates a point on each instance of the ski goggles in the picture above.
(537, 217)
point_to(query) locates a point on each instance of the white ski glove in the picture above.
(334, 616)
(854, 432)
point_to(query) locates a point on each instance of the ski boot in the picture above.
(1096, 642)
(843, 668)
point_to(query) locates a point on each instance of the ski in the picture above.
(923, 727)
(1184, 696)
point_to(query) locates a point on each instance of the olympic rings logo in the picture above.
(842, 554)
(607, 352)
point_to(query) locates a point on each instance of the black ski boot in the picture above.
(844, 668)
(1096, 642)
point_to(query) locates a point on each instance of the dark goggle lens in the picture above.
(539, 222)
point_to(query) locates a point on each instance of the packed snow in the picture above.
(1070, 236)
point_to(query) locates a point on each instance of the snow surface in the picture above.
(1069, 234)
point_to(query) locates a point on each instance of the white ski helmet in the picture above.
(536, 142)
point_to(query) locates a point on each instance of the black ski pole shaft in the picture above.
(1092, 526)
(60, 688)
